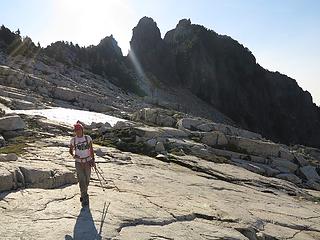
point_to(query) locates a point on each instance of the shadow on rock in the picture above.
(84, 228)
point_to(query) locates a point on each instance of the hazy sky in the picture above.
(284, 35)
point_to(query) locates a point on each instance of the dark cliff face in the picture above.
(224, 73)
(13, 44)
(153, 54)
(105, 59)
(105, 53)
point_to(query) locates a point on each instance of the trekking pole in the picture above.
(103, 217)
(105, 180)
(100, 172)
(96, 170)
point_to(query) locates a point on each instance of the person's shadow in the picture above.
(84, 228)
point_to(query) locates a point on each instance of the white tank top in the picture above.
(82, 147)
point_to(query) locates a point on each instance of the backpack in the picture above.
(74, 141)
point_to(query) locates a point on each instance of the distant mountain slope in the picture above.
(192, 59)
(225, 74)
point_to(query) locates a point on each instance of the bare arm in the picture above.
(92, 155)
(91, 150)
(71, 150)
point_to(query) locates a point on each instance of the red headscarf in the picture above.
(78, 126)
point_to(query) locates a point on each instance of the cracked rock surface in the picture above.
(152, 199)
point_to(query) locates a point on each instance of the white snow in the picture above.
(71, 116)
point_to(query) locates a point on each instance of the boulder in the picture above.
(309, 173)
(162, 157)
(270, 172)
(123, 124)
(147, 132)
(95, 106)
(173, 132)
(6, 179)
(8, 157)
(312, 152)
(255, 147)
(13, 134)
(100, 153)
(104, 128)
(153, 132)
(204, 153)
(95, 125)
(248, 134)
(189, 123)
(181, 143)
(2, 112)
(11, 123)
(286, 154)
(65, 94)
(206, 127)
(151, 142)
(233, 131)
(301, 160)
(258, 159)
(214, 138)
(283, 165)
(166, 121)
(2, 141)
(18, 179)
(226, 153)
(47, 178)
(160, 147)
(157, 116)
(313, 184)
(289, 177)
(146, 114)
(106, 124)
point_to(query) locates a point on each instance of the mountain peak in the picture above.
(146, 29)
(110, 44)
(184, 23)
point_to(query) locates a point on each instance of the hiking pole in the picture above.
(105, 180)
(100, 172)
(103, 217)
(96, 170)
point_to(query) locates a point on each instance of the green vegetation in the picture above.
(104, 142)
(177, 152)
(195, 138)
(17, 145)
(14, 148)
(124, 140)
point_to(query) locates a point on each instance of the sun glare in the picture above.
(87, 22)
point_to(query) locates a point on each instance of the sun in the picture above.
(87, 22)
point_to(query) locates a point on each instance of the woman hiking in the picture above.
(84, 160)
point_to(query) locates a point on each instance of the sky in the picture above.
(283, 35)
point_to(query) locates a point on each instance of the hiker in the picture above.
(84, 160)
